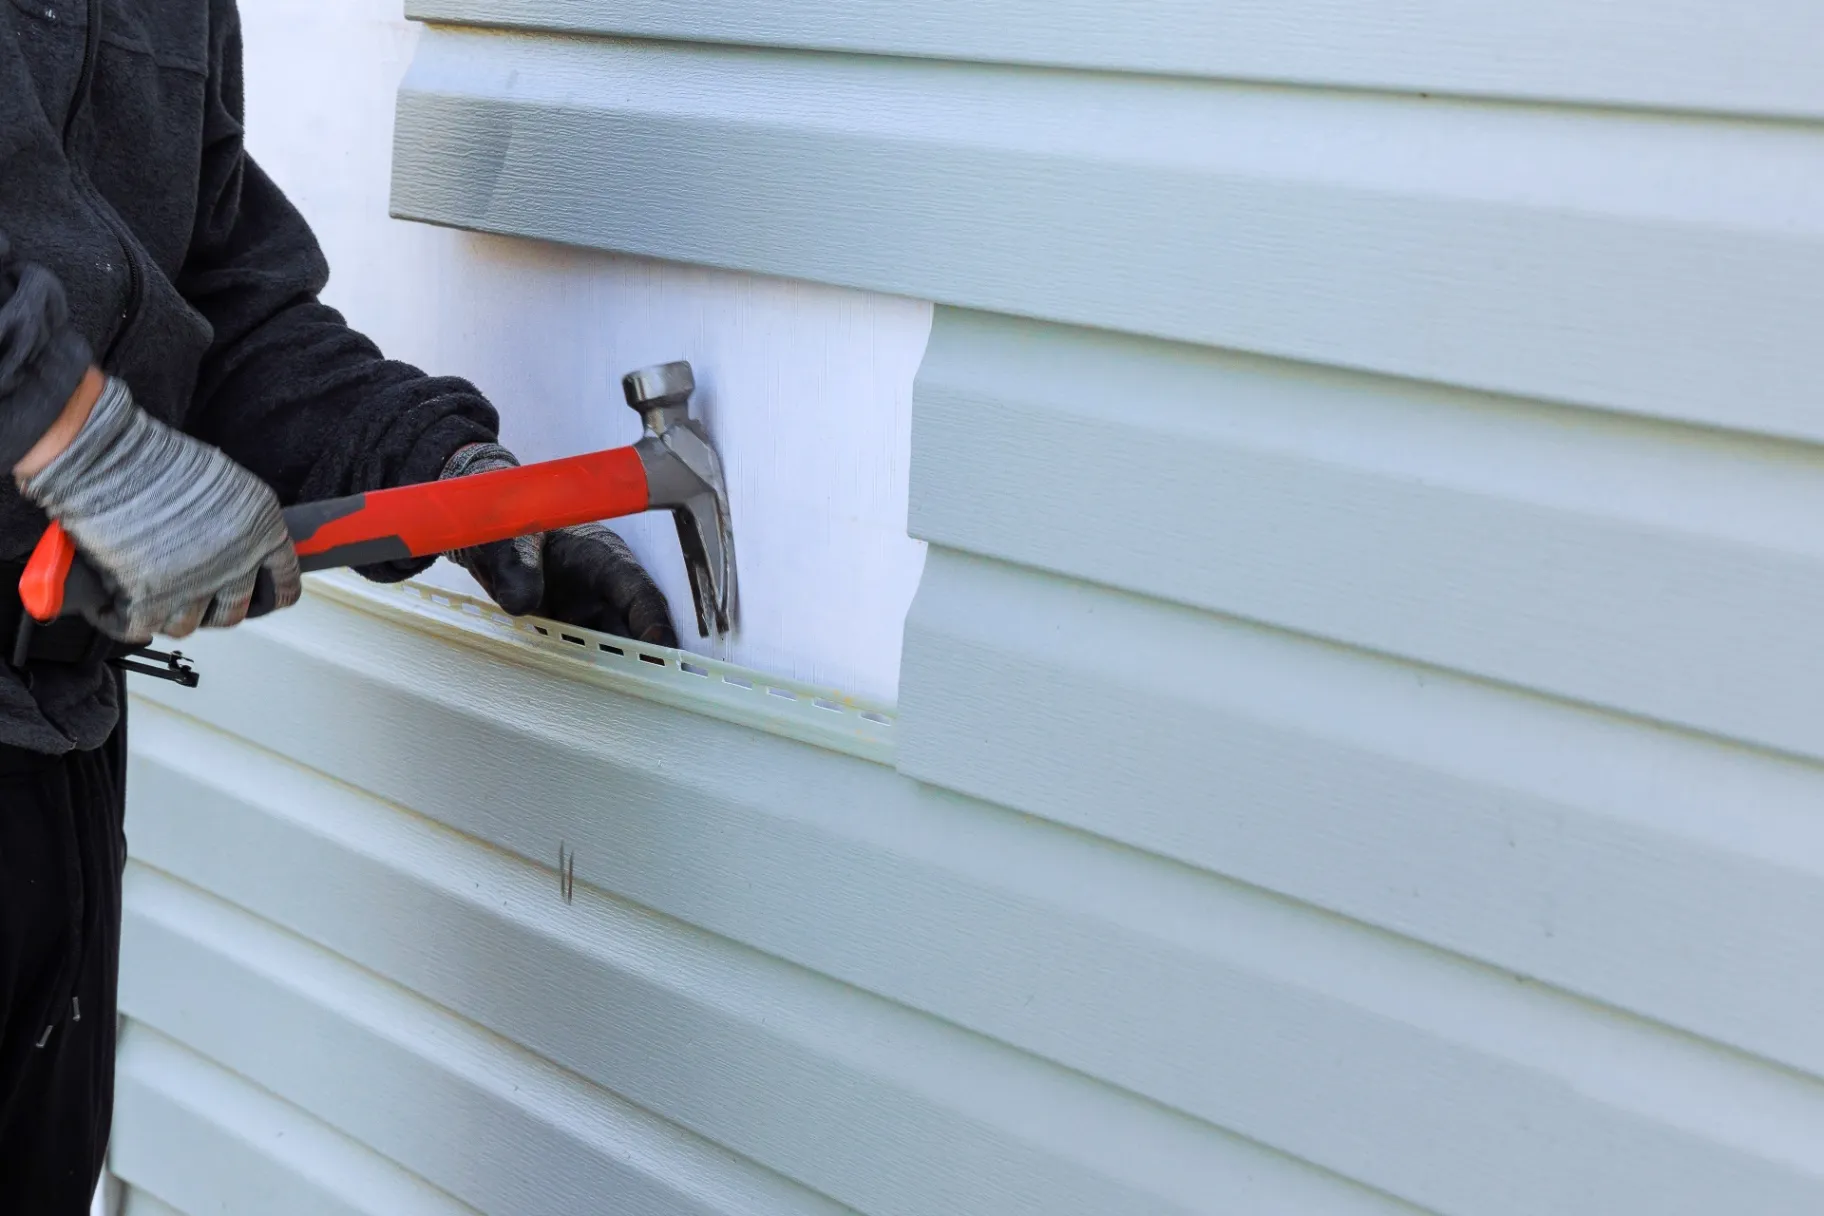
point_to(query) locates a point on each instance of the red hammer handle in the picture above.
(390, 525)
(438, 516)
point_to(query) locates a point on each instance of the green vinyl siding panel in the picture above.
(1621, 261)
(187, 1128)
(140, 1202)
(1657, 570)
(1685, 55)
(804, 966)
(1360, 730)
(794, 979)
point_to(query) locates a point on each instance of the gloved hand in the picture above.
(178, 530)
(584, 576)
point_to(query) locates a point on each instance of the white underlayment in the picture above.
(807, 389)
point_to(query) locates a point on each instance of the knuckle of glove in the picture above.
(601, 584)
(511, 571)
(186, 620)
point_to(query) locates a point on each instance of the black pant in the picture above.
(62, 849)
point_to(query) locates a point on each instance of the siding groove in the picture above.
(188, 1128)
(140, 1202)
(1619, 860)
(1622, 262)
(1652, 569)
(413, 1081)
(825, 717)
(887, 1111)
(983, 943)
(1690, 55)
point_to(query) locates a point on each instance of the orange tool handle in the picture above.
(391, 525)
(41, 587)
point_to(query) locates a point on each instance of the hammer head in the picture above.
(684, 476)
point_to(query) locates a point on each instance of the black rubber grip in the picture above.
(265, 594)
(83, 590)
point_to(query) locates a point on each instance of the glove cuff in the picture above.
(477, 458)
(112, 419)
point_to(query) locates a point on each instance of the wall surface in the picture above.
(1358, 746)
(806, 388)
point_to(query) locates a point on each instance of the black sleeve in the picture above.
(42, 356)
(287, 388)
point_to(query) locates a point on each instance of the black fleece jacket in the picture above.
(135, 231)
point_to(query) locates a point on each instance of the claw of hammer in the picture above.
(684, 476)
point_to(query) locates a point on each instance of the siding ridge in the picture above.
(862, 1035)
(1721, 484)
(1536, 1043)
(1629, 56)
(1669, 267)
(292, 1143)
(506, 1074)
(794, 709)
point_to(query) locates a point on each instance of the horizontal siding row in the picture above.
(1621, 261)
(1672, 876)
(191, 1131)
(464, 1110)
(1685, 55)
(862, 1100)
(999, 942)
(1653, 569)
(136, 1202)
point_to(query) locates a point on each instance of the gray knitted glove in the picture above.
(584, 575)
(178, 530)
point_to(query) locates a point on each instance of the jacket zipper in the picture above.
(85, 80)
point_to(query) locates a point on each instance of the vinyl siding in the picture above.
(189, 1129)
(781, 957)
(1358, 746)
(135, 1202)
(1626, 261)
(1682, 55)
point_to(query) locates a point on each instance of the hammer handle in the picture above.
(391, 525)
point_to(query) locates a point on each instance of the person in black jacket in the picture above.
(168, 379)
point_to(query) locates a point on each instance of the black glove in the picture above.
(584, 576)
(42, 356)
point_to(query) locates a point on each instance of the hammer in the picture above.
(673, 467)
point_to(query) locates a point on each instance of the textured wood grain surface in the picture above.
(1442, 1082)
(187, 1128)
(1754, 58)
(1625, 262)
(1642, 867)
(137, 1201)
(1662, 571)
(872, 909)
(478, 1116)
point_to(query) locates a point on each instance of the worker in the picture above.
(168, 379)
